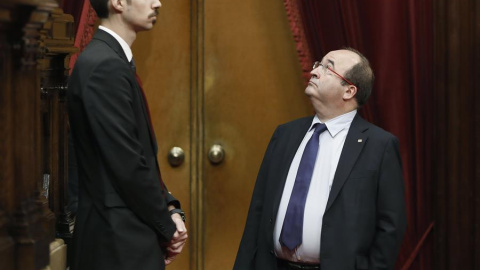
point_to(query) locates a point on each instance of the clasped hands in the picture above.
(179, 238)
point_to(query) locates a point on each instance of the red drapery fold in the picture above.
(397, 37)
(75, 8)
(85, 19)
(303, 47)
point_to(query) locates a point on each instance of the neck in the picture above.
(325, 115)
(120, 28)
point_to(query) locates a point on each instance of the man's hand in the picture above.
(175, 245)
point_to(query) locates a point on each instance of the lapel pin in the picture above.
(360, 140)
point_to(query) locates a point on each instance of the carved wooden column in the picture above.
(56, 42)
(31, 228)
(27, 225)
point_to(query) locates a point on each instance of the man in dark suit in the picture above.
(329, 193)
(126, 218)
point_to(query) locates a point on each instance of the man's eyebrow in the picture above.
(331, 62)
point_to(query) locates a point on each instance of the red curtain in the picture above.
(397, 37)
(85, 20)
(75, 8)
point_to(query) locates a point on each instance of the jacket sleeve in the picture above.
(108, 100)
(172, 200)
(391, 215)
(248, 246)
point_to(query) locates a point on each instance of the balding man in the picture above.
(329, 194)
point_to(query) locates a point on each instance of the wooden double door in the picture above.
(219, 74)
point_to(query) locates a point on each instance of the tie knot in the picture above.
(132, 65)
(319, 128)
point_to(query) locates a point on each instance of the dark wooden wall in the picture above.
(457, 135)
(36, 39)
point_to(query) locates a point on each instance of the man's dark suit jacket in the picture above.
(365, 217)
(123, 219)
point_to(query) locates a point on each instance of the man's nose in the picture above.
(315, 72)
(157, 4)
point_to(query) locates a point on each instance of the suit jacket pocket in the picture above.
(114, 200)
(361, 262)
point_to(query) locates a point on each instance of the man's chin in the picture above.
(144, 28)
(308, 90)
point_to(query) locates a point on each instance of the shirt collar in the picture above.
(336, 124)
(126, 49)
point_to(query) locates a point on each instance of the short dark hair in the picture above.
(361, 75)
(100, 7)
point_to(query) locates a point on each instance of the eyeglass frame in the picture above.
(318, 64)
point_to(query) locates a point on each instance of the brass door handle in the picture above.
(176, 156)
(216, 154)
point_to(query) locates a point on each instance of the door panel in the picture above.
(162, 57)
(218, 72)
(252, 83)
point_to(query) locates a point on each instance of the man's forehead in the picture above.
(342, 57)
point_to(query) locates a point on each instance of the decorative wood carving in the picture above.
(57, 43)
(36, 40)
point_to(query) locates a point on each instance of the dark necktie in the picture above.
(292, 229)
(139, 81)
(134, 68)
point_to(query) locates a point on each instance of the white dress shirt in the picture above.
(331, 145)
(126, 49)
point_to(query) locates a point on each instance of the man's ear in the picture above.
(117, 5)
(350, 92)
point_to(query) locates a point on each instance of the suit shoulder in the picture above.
(98, 52)
(99, 59)
(379, 133)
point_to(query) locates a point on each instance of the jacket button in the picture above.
(271, 252)
(270, 220)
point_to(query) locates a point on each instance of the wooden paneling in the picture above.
(163, 59)
(253, 83)
(456, 94)
(214, 73)
(6, 162)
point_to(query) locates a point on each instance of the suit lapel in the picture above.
(113, 43)
(354, 143)
(291, 146)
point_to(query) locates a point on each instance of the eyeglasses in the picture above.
(324, 69)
